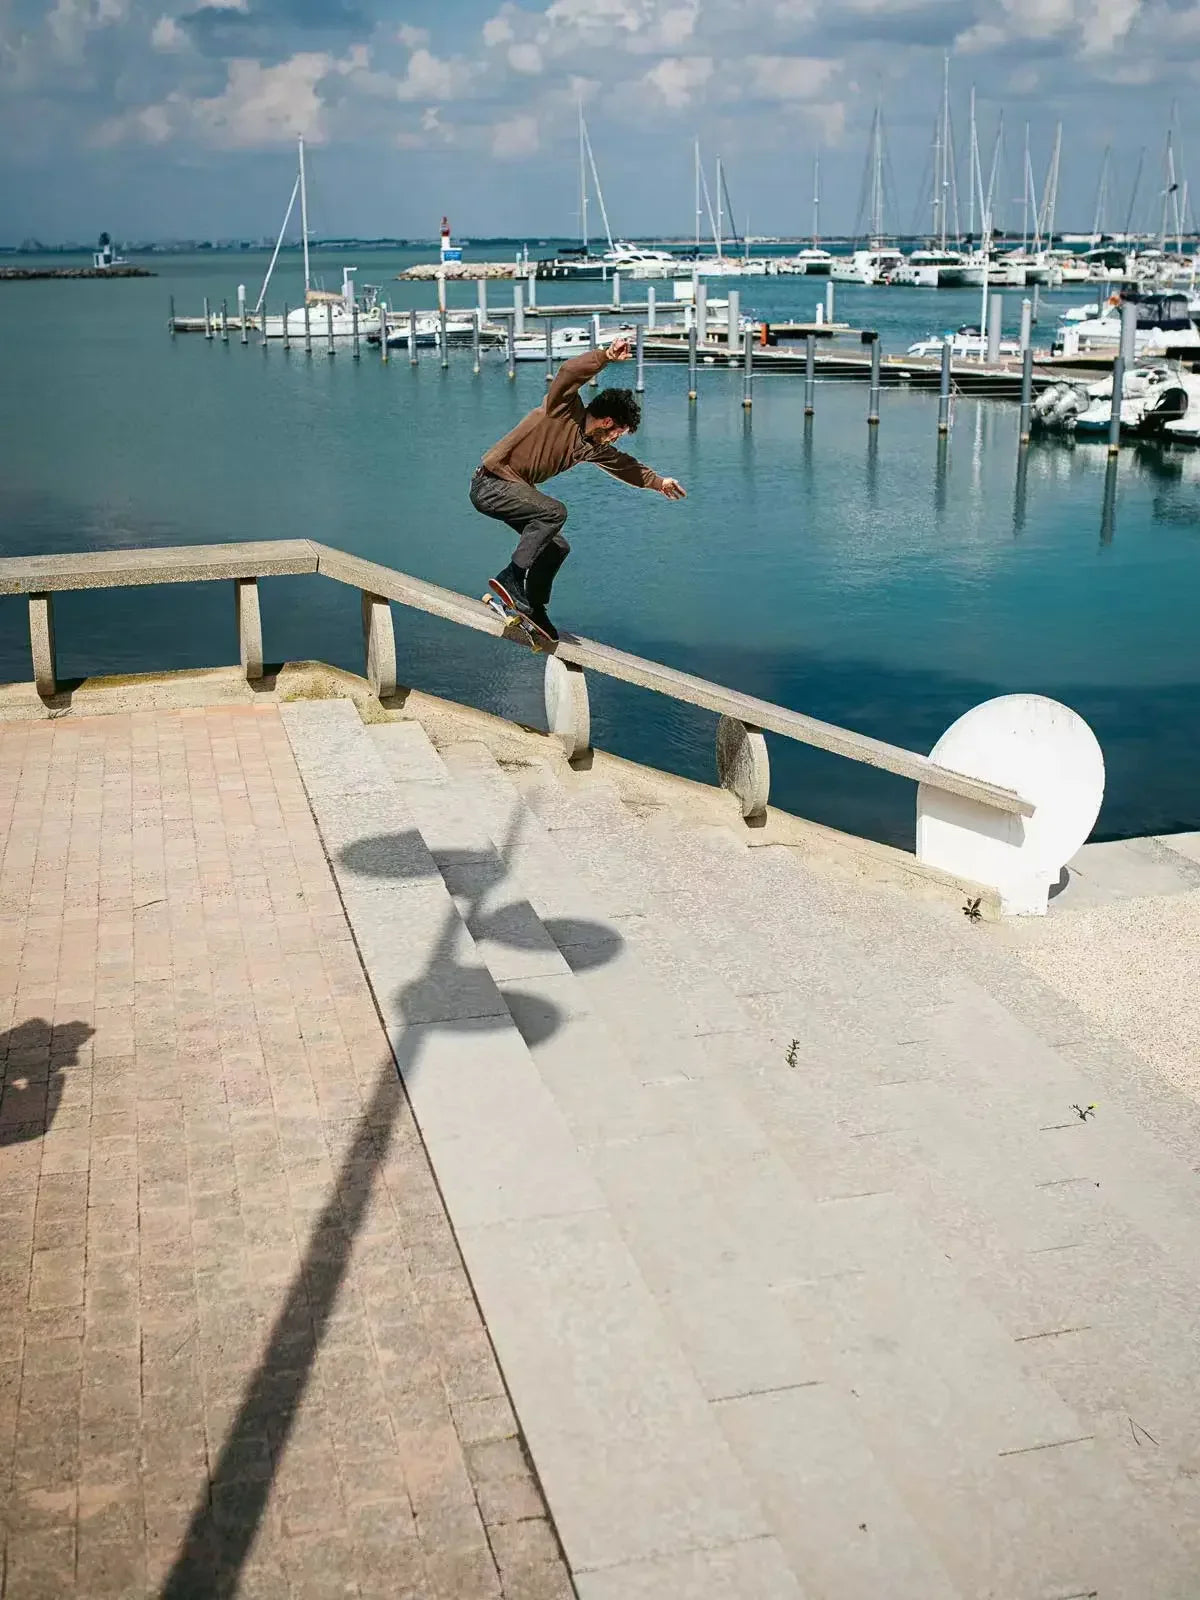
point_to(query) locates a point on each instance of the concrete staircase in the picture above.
(808, 1267)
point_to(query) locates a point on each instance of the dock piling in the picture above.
(512, 346)
(872, 339)
(829, 300)
(171, 319)
(1036, 296)
(476, 335)
(810, 374)
(944, 392)
(692, 361)
(701, 317)
(734, 321)
(224, 321)
(616, 300)
(307, 327)
(443, 337)
(747, 369)
(531, 280)
(208, 329)
(549, 349)
(242, 313)
(639, 383)
(413, 356)
(995, 326)
(287, 343)
(651, 308)
(1026, 390)
(518, 310)
(329, 327)
(262, 323)
(594, 341)
(354, 319)
(1124, 358)
(481, 290)
(384, 354)
(1026, 325)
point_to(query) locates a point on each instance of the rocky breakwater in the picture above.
(456, 271)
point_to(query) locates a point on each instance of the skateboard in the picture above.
(526, 630)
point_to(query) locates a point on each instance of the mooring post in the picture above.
(476, 338)
(329, 326)
(262, 323)
(413, 356)
(242, 313)
(518, 309)
(829, 301)
(701, 318)
(224, 321)
(1036, 300)
(872, 339)
(810, 374)
(747, 369)
(512, 346)
(651, 306)
(944, 391)
(171, 319)
(549, 349)
(692, 361)
(639, 382)
(595, 342)
(444, 336)
(354, 319)
(287, 343)
(1026, 339)
(1124, 358)
(481, 291)
(208, 328)
(995, 327)
(616, 291)
(733, 324)
(1026, 390)
(531, 280)
(384, 353)
(307, 327)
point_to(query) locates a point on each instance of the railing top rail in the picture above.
(266, 558)
(185, 563)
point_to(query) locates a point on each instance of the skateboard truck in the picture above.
(513, 619)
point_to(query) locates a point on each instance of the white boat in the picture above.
(967, 344)
(638, 261)
(1158, 401)
(813, 262)
(999, 272)
(1163, 323)
(866, 266)
(564, 343)
(327, 311)
(930, 269)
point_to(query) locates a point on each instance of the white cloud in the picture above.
(497, 30)
(167, 36)
(515, 138)
(675, 79)
(411, 38)
(787, 77)
(525, 58)
(430, 77)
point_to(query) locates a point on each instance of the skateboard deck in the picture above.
(517, 626)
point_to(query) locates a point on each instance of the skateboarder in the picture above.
(558, 434)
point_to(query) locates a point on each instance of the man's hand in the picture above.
(673, 489)
(619, 350)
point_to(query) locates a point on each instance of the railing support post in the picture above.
(249, 626)
(41, 640)
(743, 766)
(568, 714)
(379, 639)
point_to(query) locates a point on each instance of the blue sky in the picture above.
(160, 118)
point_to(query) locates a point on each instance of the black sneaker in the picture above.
(509, 587)
(539, 620)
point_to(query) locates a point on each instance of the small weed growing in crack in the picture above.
(791, 1052)
(1084, 1112)
(971, 910)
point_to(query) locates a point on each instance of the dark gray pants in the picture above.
(537, 520)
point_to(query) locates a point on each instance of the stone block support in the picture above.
(249, 626)
(41, 639)
(568, 714)
(379, 638)
(743, 766)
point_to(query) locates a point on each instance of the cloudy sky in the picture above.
(161, 120)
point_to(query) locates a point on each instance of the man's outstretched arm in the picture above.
(573, 374)
(632, 471)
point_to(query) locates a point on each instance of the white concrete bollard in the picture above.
(1046, 753)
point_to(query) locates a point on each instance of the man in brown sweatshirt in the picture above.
(558, 434)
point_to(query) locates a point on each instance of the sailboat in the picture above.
(813, 261)
(877, 261)
(937, 266)
(578, 261)
(720, 264)
(326, 311)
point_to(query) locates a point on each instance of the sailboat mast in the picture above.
(304, 216)
(816, 228)
(720, 219)
(1101, 196)
(976, 176)
(945, 143)
(583, 222)
(877, 179)
(1025, 199)
(587, 145)
(696, 150)
(1168, 190)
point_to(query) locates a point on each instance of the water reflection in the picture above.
(873, 468)
(941, 475)
(1108, 513)
(1020, 491)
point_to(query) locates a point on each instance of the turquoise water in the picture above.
(876, 582)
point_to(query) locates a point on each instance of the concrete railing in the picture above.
(990, 813)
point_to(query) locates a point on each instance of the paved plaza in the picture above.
(239, 1353)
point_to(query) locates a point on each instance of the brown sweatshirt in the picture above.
(551, 438)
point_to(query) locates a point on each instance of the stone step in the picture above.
(950, 1106)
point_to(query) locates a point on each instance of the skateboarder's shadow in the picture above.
(37, 1054)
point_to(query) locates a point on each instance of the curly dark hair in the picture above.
(617, 405)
